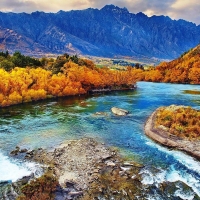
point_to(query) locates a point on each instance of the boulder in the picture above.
(23, 150)
(119, 111)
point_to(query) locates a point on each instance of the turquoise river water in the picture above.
(46, 124)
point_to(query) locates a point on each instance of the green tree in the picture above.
(18, 59)
(7, 65)
(74, 59)
(5, 55)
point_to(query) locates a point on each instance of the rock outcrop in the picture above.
(119, 111)
(87, 169)
(13, 41)
(162, 136)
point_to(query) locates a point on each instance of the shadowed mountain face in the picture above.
(111, 31)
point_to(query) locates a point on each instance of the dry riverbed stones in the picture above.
(86, 169)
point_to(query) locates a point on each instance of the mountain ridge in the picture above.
(110, 31)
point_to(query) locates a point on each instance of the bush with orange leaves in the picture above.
(181, 121)
(31, 84)
(185, 69)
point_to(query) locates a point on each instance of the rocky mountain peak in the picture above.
(114, 9)
(110, 31)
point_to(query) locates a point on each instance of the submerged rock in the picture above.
(23, 150)
(119, 111)
(100, 114)
(17, 150)
(24, 179)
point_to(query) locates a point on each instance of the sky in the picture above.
(176, 9)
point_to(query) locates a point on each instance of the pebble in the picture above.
(111, 164)
(125, 168)
(96, 171)
(133, 177)
(127, 164)
(75, 193)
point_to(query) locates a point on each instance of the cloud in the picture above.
(157, 7)
(18, 5)
(176, 9)
(186, 9)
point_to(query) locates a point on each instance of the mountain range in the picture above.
(108, 32)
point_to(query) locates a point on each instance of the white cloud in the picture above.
(149, 12)
(185, 4)
(186, 9)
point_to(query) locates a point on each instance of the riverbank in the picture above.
(162, 136)
(86, 169)
(108, 90)
(71, 96)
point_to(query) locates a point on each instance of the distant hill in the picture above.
(110, 31)
(185, 69)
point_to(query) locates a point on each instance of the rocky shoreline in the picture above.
(85, 169)
(160, 135)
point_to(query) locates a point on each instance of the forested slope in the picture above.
(185, 69)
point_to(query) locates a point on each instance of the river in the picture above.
(47, 123)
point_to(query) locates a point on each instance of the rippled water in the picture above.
(46, 124)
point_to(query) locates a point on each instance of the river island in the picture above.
(176, 127)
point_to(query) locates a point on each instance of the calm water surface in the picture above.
(46, 124)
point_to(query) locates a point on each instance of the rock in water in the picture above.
(119, 111)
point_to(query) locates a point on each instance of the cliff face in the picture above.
(12, 41)
(111, 31)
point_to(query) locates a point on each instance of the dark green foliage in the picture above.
(5, 55)
(5, 61)
(7, 65)
(44, 61)
(32, 61)
(138, 66)
(20, 60)
(66, 55)
(8, 62)
(74, 59)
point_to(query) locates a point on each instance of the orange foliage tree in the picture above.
(185, 69)
(30, 84)
(183, 122)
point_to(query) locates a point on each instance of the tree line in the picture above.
(64, 76)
